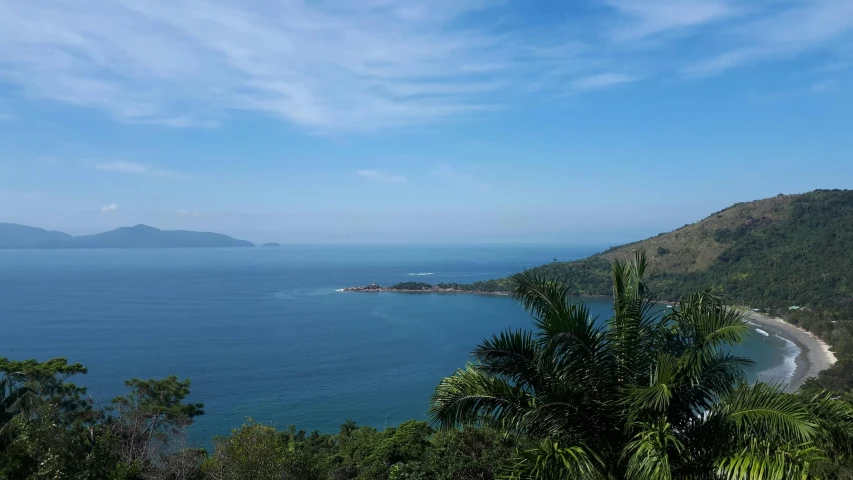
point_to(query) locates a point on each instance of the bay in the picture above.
(263, 333)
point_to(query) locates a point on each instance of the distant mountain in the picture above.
(13, 235)
(140, 236)
(272, 244)
(784, 250)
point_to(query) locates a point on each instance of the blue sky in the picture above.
(592, 121)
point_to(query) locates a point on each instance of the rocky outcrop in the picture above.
(374, 287)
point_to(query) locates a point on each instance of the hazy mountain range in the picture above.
(13, 235)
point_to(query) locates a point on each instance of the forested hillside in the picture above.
(786, 250)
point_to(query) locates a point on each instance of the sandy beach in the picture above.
(814, 356)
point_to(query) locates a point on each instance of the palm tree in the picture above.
(17, 399)
(27, 385)
(644, 395)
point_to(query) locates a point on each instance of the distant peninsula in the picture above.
(271, 244)
(15, 236)
(779, 251)
(421, 287)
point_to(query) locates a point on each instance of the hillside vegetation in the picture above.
(780, 251)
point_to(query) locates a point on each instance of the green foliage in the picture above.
(411, 286)
(148, 424)
(259, 452)
(643, 396)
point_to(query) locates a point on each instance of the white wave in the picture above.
(785, 371)
(419, 274)
(755, 327)
(339, 290)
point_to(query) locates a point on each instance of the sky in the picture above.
(408, 121)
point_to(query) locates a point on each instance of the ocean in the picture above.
(263, 333)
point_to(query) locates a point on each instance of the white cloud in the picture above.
(604, 80)
(134, 168)
(381, 176)
(112, 207)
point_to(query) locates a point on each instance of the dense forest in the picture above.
(646, 395)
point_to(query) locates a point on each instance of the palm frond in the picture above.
(649, 452)
(759, 461)
(511, 355)
(470, 395)
(766, 411)
(538, 295)
(550, 461)
(653, 398)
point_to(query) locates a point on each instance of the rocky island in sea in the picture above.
(421, 287)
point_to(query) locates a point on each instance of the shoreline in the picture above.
(815, 354)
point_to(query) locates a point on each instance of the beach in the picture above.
(814, 356)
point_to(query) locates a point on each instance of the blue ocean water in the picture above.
(263, 332)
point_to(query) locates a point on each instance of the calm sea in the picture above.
(262, 332)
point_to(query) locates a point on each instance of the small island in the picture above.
(271, 244)
(421, 287)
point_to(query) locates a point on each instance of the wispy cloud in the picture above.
(796, 28)
(322, 65)
(722, 62)
(453, 174)
(381, 176)
(823, 86)
(134, 168)
(188, 213)
(646, 18)
(603, 80)
(6, 116)
(112, 207)
(356, 66)
(123, 167)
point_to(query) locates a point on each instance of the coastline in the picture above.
(815, 354)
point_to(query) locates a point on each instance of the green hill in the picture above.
(785, 250)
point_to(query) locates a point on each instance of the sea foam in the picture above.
(785, 371)
(419, 274)
(755, 327)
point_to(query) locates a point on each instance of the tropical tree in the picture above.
(26, 385)
(643, 395)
